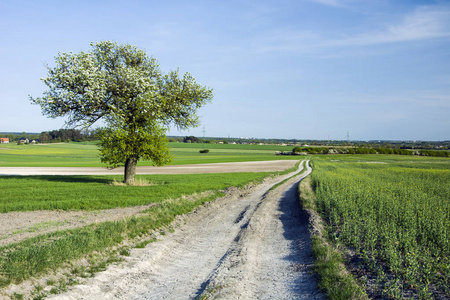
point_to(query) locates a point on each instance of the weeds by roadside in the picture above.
(138, 182)
(334, 279)
(99, 244)
(293, 169)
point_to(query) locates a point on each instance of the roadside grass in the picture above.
(392, 215)
(28, 193)
(49, 252)
(297, 165)
(87, 154)
(334, 279)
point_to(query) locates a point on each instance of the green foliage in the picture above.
(364, 150)
(121, 85)
(329, 264)
(148, 144)
(73, 135)
(394, 213)
(338, 284)
(297, 149)
(204, 151)
(191, 139)
(17, 296)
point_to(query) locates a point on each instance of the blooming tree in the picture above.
(125, 88)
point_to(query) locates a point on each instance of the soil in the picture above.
(250, 166)
(251, 244)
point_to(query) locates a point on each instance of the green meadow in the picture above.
(101, 242)
(29, 193)
(392, 211)
(86, 154)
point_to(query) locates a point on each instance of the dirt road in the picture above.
(250, 166)
(250, 246)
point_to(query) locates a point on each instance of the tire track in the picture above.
(225, 250)
(271, 259)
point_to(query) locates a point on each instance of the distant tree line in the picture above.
(411, 145)
(15, 137)
(68, 135)
(363, 150)
(75, 135)
(54, 136)
(191, 139)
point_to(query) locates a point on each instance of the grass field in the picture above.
(395, 213)
(41, 254)
(96, 192)
(28, 193)
(86, 154)
(99, 242)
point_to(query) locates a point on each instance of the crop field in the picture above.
(86, 154)
(394, 212)
(28, 193)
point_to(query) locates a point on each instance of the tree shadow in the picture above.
(64, 178)
(295, 222)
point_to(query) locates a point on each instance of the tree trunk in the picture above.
(130, 170)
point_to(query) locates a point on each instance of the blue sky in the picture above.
(304, 69)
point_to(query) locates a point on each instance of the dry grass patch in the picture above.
(138, 182)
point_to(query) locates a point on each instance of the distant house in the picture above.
(4, 141)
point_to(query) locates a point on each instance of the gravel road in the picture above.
(250, 246)
(251, 166)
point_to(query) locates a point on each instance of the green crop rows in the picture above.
(87, 154)
(395, 213)
(28, 193)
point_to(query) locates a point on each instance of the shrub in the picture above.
(297, 149)
(204, 151)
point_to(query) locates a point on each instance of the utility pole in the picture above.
(204, 134)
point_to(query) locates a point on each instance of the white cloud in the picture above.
(337, 3)
(424, 23)
(415, 100)
(433, 99)
(328, 2)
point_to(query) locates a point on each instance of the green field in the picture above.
(25, 193)
(392, 211)
(86, 154)
(28, 193)
(395, 213)
(100, 242)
